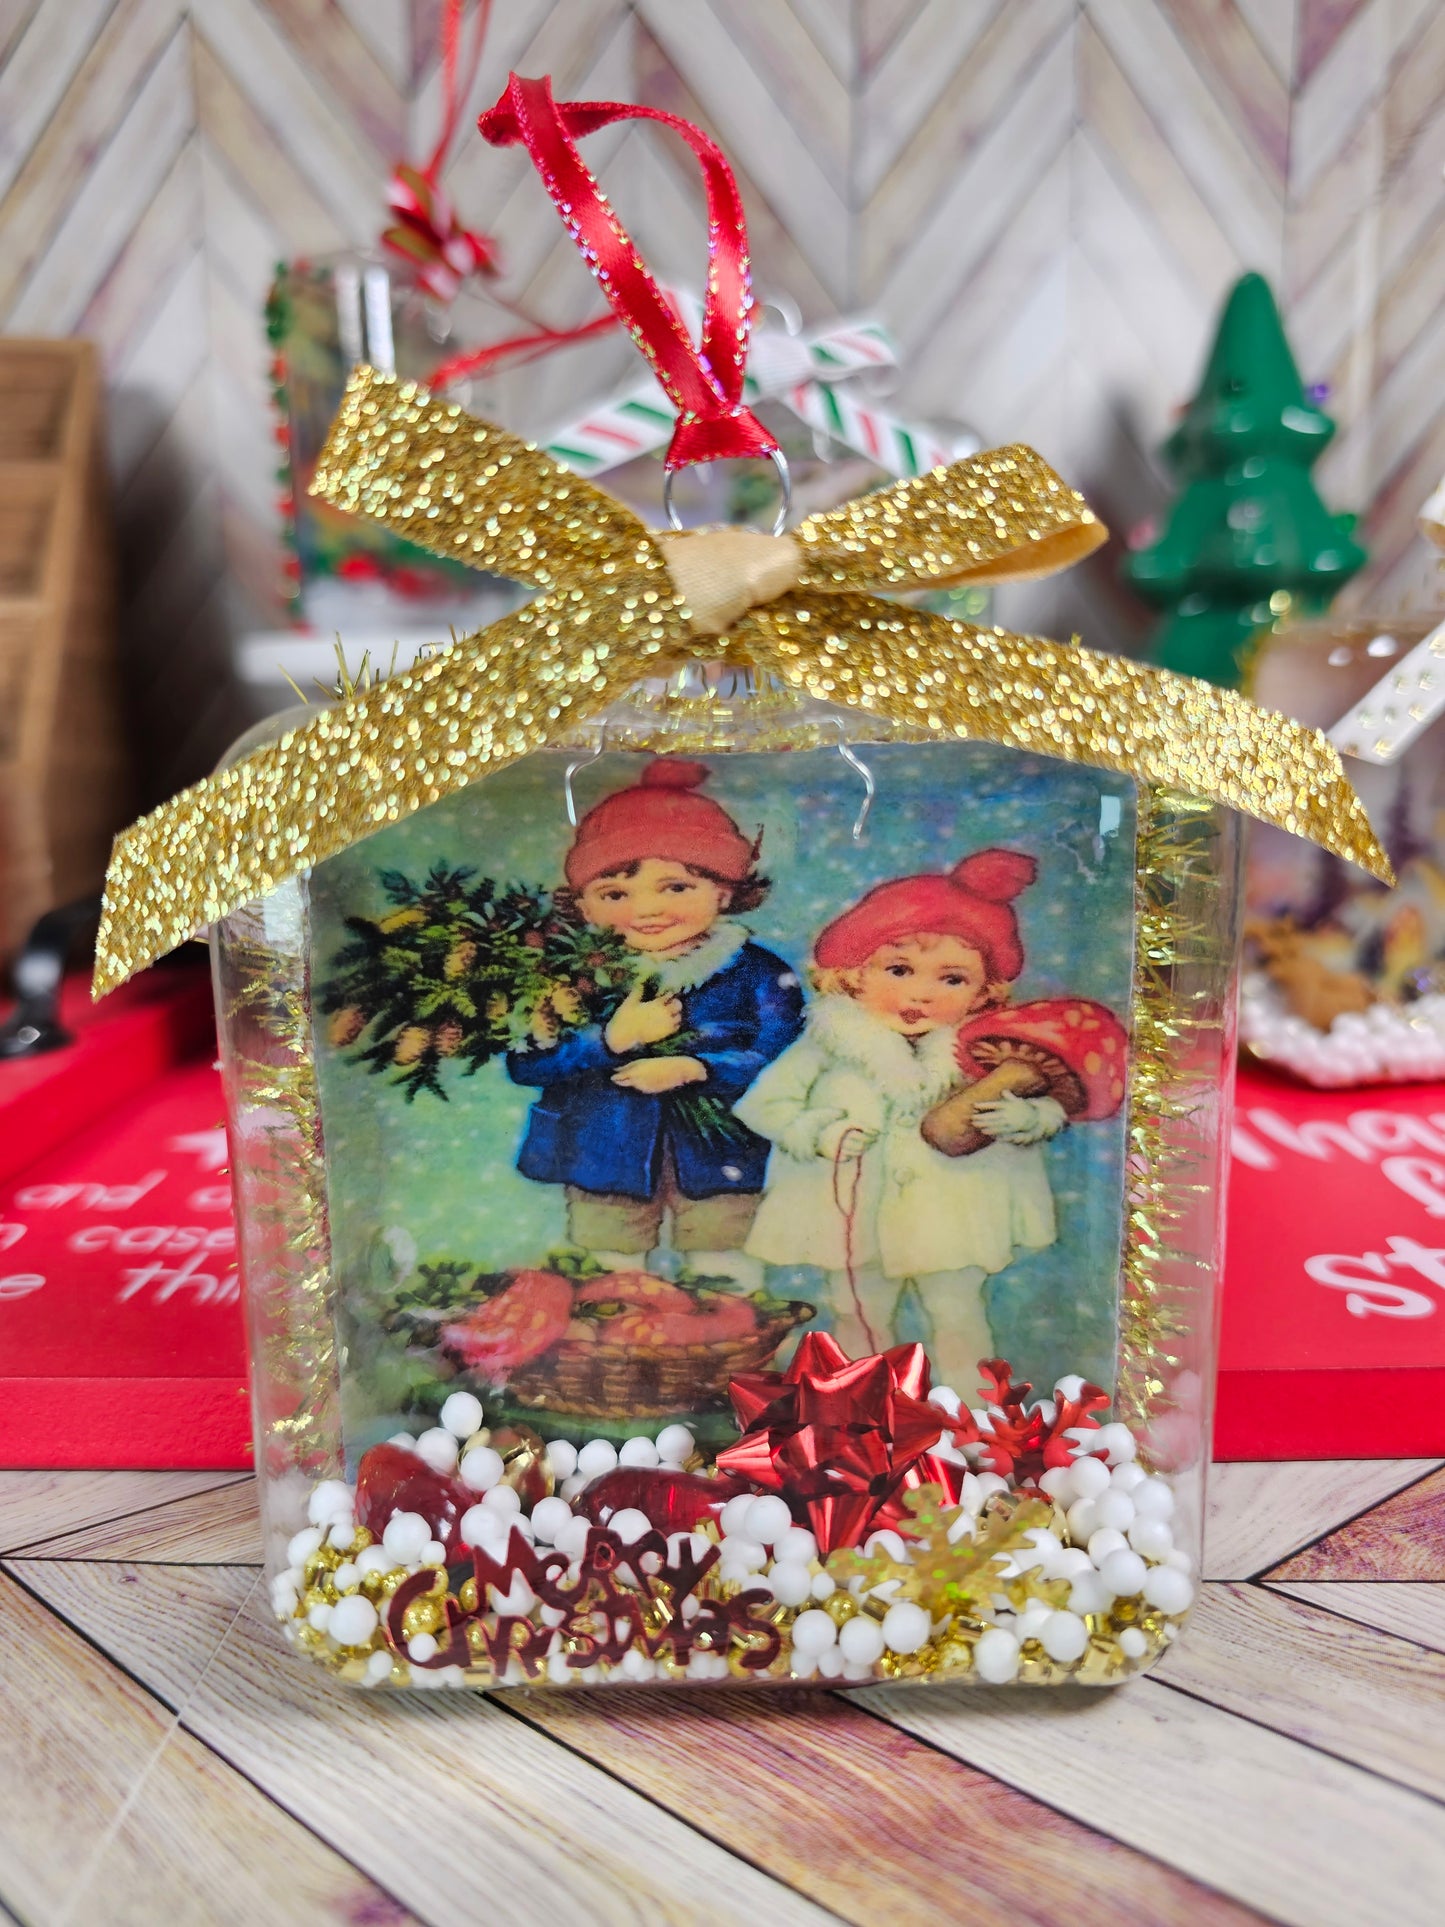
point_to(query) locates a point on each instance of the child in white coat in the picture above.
(851, 1184)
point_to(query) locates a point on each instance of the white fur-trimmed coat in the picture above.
(916, 1211)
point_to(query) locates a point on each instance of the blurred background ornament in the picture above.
(1248, 541)
(1347, 984)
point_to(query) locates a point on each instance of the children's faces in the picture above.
(923, 984)
(661, 908)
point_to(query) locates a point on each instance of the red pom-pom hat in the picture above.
(661, 815)
(971, 902)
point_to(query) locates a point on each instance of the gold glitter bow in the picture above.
(611, 612)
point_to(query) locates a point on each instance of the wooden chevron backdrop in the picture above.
(1046, 199)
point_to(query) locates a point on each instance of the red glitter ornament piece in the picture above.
(673, 1501)
(392, 1479)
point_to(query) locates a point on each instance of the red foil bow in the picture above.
(840, 1439)
(429, 237)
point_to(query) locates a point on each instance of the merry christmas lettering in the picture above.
(618, 1598)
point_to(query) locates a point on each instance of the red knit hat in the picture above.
(660, 816)
(971, 903)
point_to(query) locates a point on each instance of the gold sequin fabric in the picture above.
(610, 614)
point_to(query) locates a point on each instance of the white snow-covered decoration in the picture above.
(1388, 1043)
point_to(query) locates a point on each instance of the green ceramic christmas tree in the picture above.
(1248, 539)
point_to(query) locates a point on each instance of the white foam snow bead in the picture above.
(342, 1537)
(797, 1543)
(1083, 1521)
(1069, 1387)
(1058, 1484)
(571, 1486)
(1089, 1594)
(1151, 1538)
(1072, 1560)
(562, 1457)
(731, 1518)
(345, 1576)
(422, 1648)
(484, 1526)
(946, 1399)
(438, 1449)
(1040, 1548)
(861, 1641)
(572, 1537)
(906, 1627)
(638, 1451)
(813, 1632)
(319, 1616)
(378, 1668)
(353, 1620)
(307, 1541)
(1124, 1573)
(996, 1656)
(404, 1440)
(791, 1582)
(549, 1517)
(1030, 1622)
(1064, 1636)
(746, 1553)
(1132, 1643)
(502, 1498)
(285, 1594)
(374, 1559)
(630, 1523)
(597, 1457)
(989, 1483)
(824, 1585)
(1089, 1477)
(767, 1519)
(462, 1414)
(831, 1662)
(481, 1468)
(1118, 1442)
(886, 1541)
(433, 1553)
(1124, 1478)
(675, 1445)
(1168, 1590)
(1114, 1508)
(331, 1504)
(1154, 1499)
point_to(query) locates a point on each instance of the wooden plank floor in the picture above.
(161, 1759)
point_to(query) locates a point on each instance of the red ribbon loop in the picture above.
(704, 381)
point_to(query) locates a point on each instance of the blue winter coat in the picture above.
(586, 1130)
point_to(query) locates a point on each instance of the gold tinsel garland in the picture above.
(280, 1165)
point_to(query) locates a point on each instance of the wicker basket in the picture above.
(605, 1381)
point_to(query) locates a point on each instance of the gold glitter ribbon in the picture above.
(611, 613)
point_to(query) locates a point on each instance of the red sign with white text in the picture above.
(1333, 1342)
(121, 1339)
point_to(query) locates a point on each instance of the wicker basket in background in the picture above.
(602, 1381)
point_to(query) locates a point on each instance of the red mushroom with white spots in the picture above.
(1067, 1048)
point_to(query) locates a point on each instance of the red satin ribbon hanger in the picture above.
(703, 380)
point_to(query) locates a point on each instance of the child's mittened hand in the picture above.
(1021, 1120)
(654, 1075)
(844, 1140)
(640, 1019)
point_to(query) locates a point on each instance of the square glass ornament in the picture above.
(678, 1039)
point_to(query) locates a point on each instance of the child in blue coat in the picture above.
(618, 1122)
